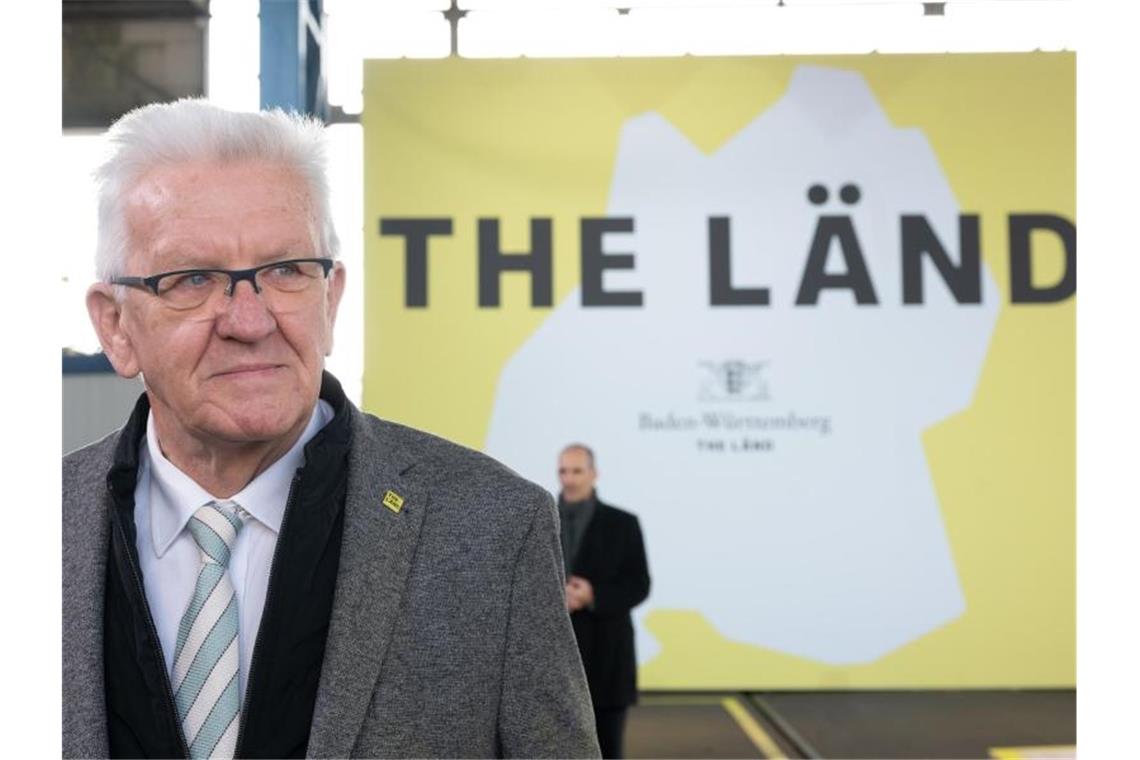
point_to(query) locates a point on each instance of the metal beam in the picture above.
(135, 9)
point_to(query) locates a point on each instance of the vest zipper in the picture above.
(268, 600)
(154, 638)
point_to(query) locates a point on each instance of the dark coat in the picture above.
(612, 558)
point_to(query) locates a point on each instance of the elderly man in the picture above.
(607, 576)
(252, 566)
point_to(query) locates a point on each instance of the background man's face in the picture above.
(576, 474)
(239, 372)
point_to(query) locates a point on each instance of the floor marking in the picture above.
(1054, 752)
(752, 729)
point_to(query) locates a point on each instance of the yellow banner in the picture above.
(816, 316)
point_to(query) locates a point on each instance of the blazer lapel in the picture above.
(376, 556)
(85, 547)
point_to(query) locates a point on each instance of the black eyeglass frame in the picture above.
(235, 275)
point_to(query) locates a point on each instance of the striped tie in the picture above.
(205, 673)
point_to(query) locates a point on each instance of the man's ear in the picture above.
(107, 317)
(335, 291)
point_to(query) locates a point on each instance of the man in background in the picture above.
(252, 566)
(606, 577)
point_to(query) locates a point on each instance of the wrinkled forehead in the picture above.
(213, 214)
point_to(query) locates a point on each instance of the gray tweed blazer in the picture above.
(448, 637)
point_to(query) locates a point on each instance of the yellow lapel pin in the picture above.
(394, 501)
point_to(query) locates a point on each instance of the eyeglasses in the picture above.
(281, 282)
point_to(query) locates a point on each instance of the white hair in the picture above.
(193, 130)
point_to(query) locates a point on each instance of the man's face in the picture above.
(239, 372)
(576, 475)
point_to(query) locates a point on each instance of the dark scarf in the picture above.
(574, 517)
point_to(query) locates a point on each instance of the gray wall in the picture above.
(95, 404)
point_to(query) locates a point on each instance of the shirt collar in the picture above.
(175, 496)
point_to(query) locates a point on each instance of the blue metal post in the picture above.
(292, 70)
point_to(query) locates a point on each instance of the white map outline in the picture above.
(829, 547)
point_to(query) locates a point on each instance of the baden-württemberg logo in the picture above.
(727, 429)
(733, 380)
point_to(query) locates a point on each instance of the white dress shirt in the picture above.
(165, 500)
